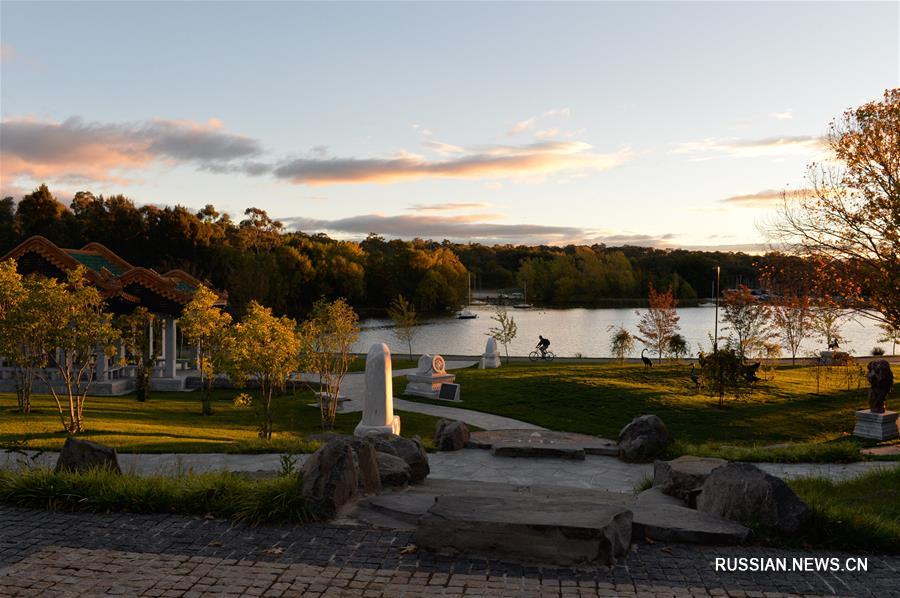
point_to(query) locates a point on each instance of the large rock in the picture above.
(330, 477)
(530, 528)
(683, 477)
(393, 470)
(367, 459)
(745, 493)
(450, 435)
(81, 455)
(644, 439)
(674, 523)
(410, 450)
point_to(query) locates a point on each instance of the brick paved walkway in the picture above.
(59, 554)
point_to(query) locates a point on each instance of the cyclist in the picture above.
(542, 346)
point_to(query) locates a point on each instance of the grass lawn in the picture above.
(861, 513)
(171, 422)
(600, 399)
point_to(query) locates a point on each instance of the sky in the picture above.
(670, 124)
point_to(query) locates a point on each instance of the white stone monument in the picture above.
(491, 355)
(378, 407)
(429, 376)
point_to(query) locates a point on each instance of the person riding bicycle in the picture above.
(542, 346)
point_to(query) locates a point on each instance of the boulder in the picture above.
(745, 493)
(410, 450)
(683, 477)
(331, 476)
(450, 435)
(367, 459)
(81, 455)
(530, 528)
(643, 439)
(392, 470)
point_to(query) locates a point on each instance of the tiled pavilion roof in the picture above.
(116, 278)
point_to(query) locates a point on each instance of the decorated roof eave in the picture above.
(108, 283)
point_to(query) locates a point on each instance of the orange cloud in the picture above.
(769, 197)
(76, 150)
(492, 162)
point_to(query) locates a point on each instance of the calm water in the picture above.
(573, 331)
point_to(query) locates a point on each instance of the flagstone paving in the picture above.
(62, 554)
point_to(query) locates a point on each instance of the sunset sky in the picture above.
(666, 124)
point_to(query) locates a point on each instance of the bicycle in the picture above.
(536, 355)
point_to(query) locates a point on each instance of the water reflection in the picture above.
(575, 331)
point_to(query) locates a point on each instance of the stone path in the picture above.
(598, 472)
(354, 388)
(61, 554)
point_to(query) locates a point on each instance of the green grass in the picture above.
(226, 495)
(600, 399)
(862, 513)
(171, 422)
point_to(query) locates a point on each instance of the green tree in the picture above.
(660, 322)
(746, 318)
(678, 346)
(505, 330)
(73, 328)
(890, 334)
(266, 349)
(328, 337)
(19, 319)
(406, 322)
(203, 323)
(621, 343)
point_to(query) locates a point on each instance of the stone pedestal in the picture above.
(429, 376)
(876, 426)
(491, 357)
(378, 407)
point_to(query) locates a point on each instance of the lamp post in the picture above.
(716, 333)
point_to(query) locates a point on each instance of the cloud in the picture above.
(492, 162)
(786, 115)
(468, 227)
(751, 148)
(449, 207)
(521, 126)
(769, 197)
(75, 150)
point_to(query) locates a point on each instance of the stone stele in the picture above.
(378, 406)
(429, 376)
(491, 355)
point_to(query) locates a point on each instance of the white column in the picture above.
(169, 348)
(100, 369)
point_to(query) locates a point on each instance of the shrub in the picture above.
(226, 495)
(877, 351)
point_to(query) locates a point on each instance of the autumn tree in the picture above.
(264, 349)
(134, 329)
(406, 321)
(746, 318)
(660, 322)
(505, 330)
(328, 337)
(848, 222)
(792, 320)
(203, 323)
(827, 319)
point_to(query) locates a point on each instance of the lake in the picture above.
(574, 331)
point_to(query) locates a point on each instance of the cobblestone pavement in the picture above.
(61, 554)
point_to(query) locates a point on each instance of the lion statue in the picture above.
(881, 379)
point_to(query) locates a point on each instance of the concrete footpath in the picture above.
(596, 472)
